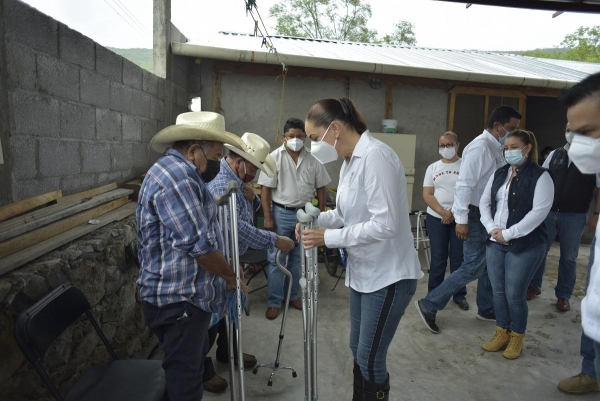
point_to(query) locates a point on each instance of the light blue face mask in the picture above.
(514, 157)
(503, 138)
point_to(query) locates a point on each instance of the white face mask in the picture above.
(448, 153)
(322, 151)
(569, 136)
(585, 153)
(295, 144)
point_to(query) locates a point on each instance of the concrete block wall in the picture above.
(75, 115)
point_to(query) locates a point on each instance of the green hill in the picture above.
(141, 57)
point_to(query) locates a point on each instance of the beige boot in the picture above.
(515, 346)
(579, 384)
(499, 341)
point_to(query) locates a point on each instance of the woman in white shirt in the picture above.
(516, 200)
(371, 222)
(438, 193)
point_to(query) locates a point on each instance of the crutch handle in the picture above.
(311, 210)
(280, 266)
(220, 200)
(303, 217)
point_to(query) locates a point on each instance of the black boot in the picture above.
(357, 395)
(376, 391)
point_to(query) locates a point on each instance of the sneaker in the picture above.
(215, 384)
(488, 317)
(428, 318)
(462, 304)
(580, 384)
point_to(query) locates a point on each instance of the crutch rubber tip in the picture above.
(270, 383)
(294, 374)
(255, 370)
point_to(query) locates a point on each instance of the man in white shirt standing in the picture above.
(480, 159)
(298, 174)
(583, 114)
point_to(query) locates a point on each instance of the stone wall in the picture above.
(74, 114)
(96, 264)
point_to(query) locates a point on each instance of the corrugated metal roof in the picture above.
(467, 65)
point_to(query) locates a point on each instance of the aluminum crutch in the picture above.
(227, 216)
(275, 366)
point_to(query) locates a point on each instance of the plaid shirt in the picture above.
(176, 221)
(248, 235)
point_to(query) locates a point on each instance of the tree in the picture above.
(403, 35)
(582, 45)
(344, 20)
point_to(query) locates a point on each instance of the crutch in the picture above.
(275, 366)
(309, 283)
(227, 216)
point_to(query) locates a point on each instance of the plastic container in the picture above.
(389, 126)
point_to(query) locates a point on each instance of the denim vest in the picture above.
(520, 202)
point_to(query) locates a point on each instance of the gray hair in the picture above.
(185, 145)
(450, 133)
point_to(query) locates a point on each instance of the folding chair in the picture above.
(116, 380)
(254, 259)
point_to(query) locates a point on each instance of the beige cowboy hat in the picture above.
(195, 126)
(256, 152)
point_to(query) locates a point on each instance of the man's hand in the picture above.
(284, 243)
(249, 192)
(269, 224)
(462, 231)
(298, 232)
(591, 224)
(231, 285)
(313, 238)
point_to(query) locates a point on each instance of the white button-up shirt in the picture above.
(590, 306)
(294, 184)
(542, 202)
(372, 208)
(480, 159)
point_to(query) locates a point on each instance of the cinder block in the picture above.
(95, 89)
(77, 121)
(96, 157)
(30, 27)
(161, 88)
(150, 83)
(108, 125)
(132, 74)
(75, 47)
(59, 157)
(122, 157)
(158, 109)
(23, 189)
(77, 183)
(35, 115)
(140, 104)
(141, 158)
(148, 130)
(109, 64)
(20, 66)
(132, 128)
(121, 97)
(107, 178)
(23, 150)
(57, 78)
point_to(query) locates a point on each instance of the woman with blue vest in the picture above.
(516, 200)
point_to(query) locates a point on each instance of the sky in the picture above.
(128, 23)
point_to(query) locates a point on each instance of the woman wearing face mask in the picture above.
(371, 222)
(514, 205)
(438, 193)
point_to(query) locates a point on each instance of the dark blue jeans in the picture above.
(587, 344)
(510, 274)
(182, 331)
(444, 243)
(569, 227)
(472, 268)
(374, 318)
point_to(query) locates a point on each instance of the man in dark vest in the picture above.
(573, 194)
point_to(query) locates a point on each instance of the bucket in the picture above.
(389, 126)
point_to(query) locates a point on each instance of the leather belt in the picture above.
(285, 207)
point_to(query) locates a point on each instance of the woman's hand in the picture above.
(313, 238)
(496, 234)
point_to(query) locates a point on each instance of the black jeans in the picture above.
(216, 333)
(182, 331)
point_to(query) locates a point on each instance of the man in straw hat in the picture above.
(242, 166)
(183, 274)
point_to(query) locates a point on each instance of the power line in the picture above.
(124, 19)
(131, 15)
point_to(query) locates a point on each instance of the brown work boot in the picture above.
(580, 384)
(296, 304)
(271, 313)
(513, 350)
(531, 293)
(499, 341)
(563, 305)
(216, 384)
(249, 361)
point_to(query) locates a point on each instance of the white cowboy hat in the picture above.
(256, 152)
(195, 126)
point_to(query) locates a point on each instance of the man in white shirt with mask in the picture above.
(298, 175)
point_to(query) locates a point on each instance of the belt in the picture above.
(285, 207)
(474, 208)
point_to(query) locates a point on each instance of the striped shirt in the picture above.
(176, 220)
(248, 235)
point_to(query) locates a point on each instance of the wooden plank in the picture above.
(19, 258)
(135, 186)
(389, 101)
(37, 214)
(451, 111)
(93, 202)
(25, 205)
(486, 112)
(469, 90)
(33, 237)
(90, 193)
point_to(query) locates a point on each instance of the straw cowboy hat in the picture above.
(195, 126)
(256, 152)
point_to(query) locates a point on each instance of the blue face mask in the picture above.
(503, 138)
(514, 157)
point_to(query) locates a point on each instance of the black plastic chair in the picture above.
(257, 259)
(116, 380)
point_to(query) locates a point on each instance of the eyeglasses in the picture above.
(447, 146)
